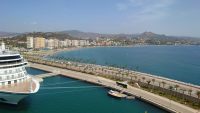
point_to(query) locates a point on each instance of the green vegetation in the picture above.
(173, 96)
(148, 85)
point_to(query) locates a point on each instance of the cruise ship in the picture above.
(15, 82)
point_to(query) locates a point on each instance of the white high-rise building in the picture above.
(56, 43)
(68, 42)
(29, 42)
(50, 43)
(39, 42)
(62, 44)
(75, 43)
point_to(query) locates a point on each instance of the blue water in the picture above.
(33, 71)
(89, 100)
(176, 62)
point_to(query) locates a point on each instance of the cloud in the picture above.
(121, 6)
(149, 9)
(34, 23)
(142, 15)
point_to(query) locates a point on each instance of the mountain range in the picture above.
(8, 34)
(75, 34)
(91, 35)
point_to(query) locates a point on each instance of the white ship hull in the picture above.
(11, 98)
(15, 98)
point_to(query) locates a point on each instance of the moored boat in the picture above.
(116, 94)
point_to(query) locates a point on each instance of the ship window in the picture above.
(10, 57)
(12, 76)
(5, 71)
(9, 62)
(15, 81)
(12, 66)
(9, 82)
(8, 77)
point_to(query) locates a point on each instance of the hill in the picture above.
(142, 38)
(47, 35)
(8, 34)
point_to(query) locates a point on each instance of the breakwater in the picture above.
(144, 95)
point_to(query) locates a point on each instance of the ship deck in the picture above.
(22, 87)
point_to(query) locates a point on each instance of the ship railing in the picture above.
(14, 63)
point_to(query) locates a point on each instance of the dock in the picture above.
(46, 75)
(154, 99)
(40, 77)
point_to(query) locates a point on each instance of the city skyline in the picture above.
(170, 17)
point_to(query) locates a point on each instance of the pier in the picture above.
(46, 75)
(40, 77)
(154, 99)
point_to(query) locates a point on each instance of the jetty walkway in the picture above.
(157, 100)
(46, 75)
(40, 77)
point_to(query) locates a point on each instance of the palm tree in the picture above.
(131, 78)
(176, 86)
(198, 94)
(148, 82)
(153, 80)
(159, 83)
(183, 91)
(171, 88)
(190, 92)
(135, 78)
(163, 83)
(143, 78)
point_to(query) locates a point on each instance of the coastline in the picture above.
(54, 51)
(51, 52)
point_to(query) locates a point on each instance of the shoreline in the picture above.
(67, 49)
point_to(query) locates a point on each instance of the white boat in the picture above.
(15, 82)
(116, 94)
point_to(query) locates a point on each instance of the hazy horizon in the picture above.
(169, 17)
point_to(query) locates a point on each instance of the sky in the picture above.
(170, 17)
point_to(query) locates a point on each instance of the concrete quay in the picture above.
(46, 75)
(42, 76)
(156, 100)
